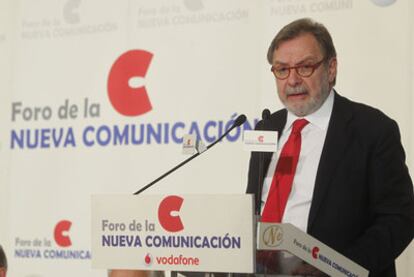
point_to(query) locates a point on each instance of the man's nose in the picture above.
(294, 78)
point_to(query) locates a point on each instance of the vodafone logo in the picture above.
(260, 139)
(61, 233)
(148, 259)
(168, 213)
(127, 99)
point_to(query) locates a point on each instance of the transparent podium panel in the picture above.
(278, 263)
(285, 250)
(272, 263)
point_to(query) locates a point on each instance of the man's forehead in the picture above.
(300, 48)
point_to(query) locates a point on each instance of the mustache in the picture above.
(295, 90)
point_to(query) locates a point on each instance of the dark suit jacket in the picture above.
(363, 203)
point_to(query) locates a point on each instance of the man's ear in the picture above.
(332, 69)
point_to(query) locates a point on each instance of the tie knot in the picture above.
(298, 125)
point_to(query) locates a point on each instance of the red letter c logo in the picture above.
(61, 237)
(168, 205)
(125, 99)
(315, 252)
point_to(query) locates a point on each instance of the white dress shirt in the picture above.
(313, 138)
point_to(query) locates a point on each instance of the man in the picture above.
(3, 263)
(349, 187)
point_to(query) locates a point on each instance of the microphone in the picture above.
(239, 121)
(265, 118)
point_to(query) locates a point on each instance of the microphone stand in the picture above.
(239, 121)
(265, 118)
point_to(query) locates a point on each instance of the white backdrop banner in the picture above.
(97, 96)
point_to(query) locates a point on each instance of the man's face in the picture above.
(303, 95)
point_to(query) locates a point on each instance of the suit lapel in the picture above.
(334, 147)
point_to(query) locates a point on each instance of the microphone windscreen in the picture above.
(239, 120)
(265, 114)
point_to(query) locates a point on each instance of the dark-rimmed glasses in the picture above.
(303, 70)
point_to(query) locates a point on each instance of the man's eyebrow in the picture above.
(280, 63)
(304, 60)
(307, 59)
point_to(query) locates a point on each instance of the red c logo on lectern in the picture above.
(315, 252)
(60, 234)
(125, 99)
(168, 205)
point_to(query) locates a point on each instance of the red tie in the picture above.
(284, 174)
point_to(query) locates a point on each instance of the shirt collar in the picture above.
(320, 118)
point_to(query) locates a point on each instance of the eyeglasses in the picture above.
(303, 70)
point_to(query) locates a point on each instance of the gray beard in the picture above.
(311, 106)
